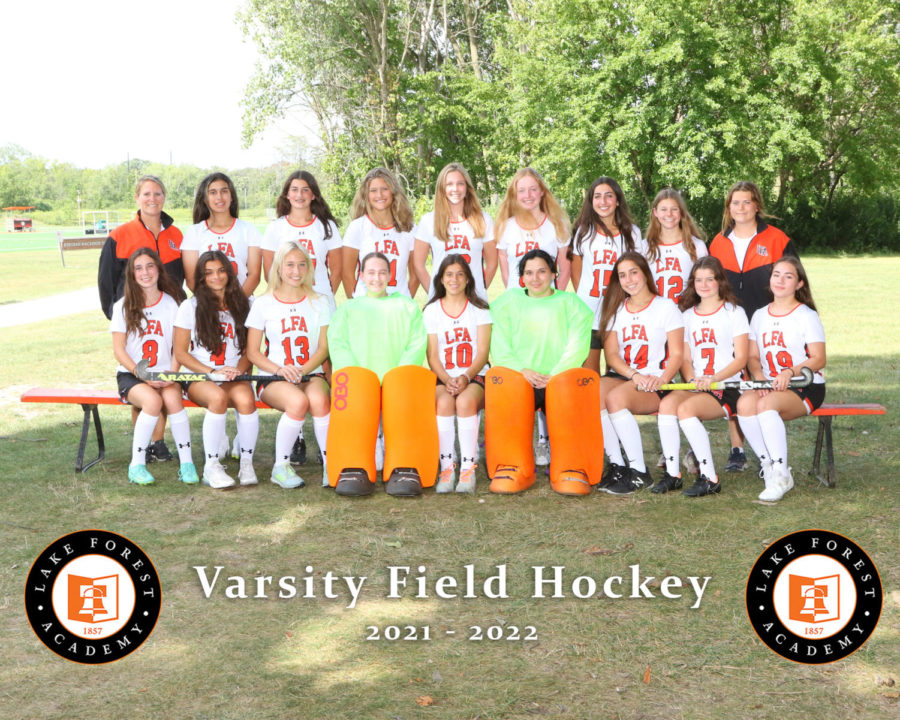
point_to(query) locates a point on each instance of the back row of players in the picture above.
(604, 255)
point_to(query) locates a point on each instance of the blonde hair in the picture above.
(509, 208)
(276, 280)
(148, 178)
(400, 211)
(471, 206)
(688, 227)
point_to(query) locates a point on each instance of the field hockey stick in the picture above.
(141, 371)
(803, 380)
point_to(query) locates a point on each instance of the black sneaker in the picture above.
(737, 461)
(631, 483)
(298, 453)
(702, 486)
(354, 482)
(404, 482)
(158, 452)
(612, 473)
(666, 483)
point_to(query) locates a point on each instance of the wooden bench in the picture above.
(85, 242)
(90, 399)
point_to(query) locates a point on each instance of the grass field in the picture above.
(594, 658)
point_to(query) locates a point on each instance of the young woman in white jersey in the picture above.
(673, 243)
(458, 324)
(643, 341)
(142, 328)
(785, 336)
(457, 225)
(217, 227)
(381, 221)
(304, 216)
(603, 231)
(716, 346)
(293, 319)
(210, 336)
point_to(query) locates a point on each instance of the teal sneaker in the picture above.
(139, 475)
(188, 474)
(284, 476)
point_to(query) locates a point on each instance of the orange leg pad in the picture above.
(355, 410)
(410, 422)
(573, 422)
(508, 429)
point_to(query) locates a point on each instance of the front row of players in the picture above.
(379, 412)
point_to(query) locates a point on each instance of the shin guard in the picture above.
(410, 422)
(576, 436)
(508, 429)
(355, 409)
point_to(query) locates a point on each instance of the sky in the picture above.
(94, 82)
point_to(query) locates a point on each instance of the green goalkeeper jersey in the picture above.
(377, 333)
(547, 335)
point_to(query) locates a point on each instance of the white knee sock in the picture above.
(467, 430)
(630, 436)
(248, 432)
(543, 434)
(699, 441)
(181, 433)
(285, 434)
(213, 432)
(140, 440)
(754, 434)
(320, 428)
(670, 439)
(446, 438)
(610, 440)
(775, 433)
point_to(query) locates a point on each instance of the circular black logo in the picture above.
(93, 596)
(814, 596)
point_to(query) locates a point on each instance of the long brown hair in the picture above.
(686, 225)
(509, 208)
(207, 327)
(690, 298)
(201, 208)
(804, 292)
(615, 294)
(133, 304)
(318, 207)
(471, 206)
(588, 221)
(441, 292)
(400, 211)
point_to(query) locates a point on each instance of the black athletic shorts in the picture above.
(126, 381)
(263, 384)
(613, 374)
(478, 380)
(812, 396)
(728, 399)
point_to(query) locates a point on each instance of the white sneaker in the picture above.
(379, 453)
(247, 475)
(223, 448)
(542, 453)
(215, 476)
(778, 483)
(284, 476)
(446, 480)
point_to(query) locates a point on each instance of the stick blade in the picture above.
(141, 369)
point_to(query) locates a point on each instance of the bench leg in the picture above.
(824, 437)
(80, 465)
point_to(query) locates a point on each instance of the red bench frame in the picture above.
(90, 399)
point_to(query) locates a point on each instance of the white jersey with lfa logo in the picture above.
(155, 343)
(366, 237)
(235, 243)
(457, 335)
(673, 266)
(599, 254)
(711, 337)
(461, 240)
(311, 237)
(642, 334)
(783, 339)
(228, 354)
(291, 329)
(517, 240)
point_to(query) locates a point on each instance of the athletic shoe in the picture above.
(139, 475)
(702, 486)
(354, 482)
(542, 454)
(737, 461)
(379, 453)
(224, 448)
(284, 476)
(766, 467)
(571, 482)
(236, 447)
(445, 480)
(509, 479)
(466, 482)
(690, 463)
(187, 473)
(215, 476)
(781, 481)
(298, 452)
(612, 473)
(247, 475)
(666, 483)
(661, 461)
(158, 452)
(631, 483)
(404, 482)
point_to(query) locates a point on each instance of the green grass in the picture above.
(225, 658)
